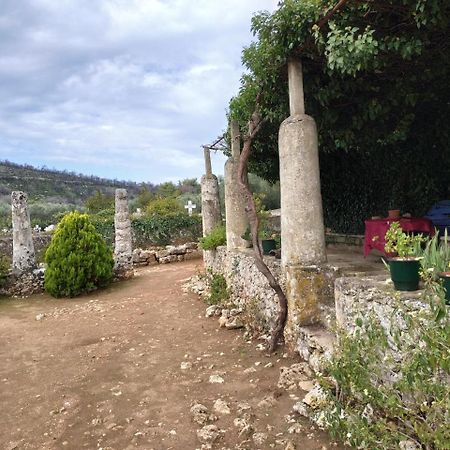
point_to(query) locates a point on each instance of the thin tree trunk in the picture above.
(253, 128)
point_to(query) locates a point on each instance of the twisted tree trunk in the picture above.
(253, 128)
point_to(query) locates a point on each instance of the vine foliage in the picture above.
(375, 79)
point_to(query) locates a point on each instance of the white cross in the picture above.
(190, 206)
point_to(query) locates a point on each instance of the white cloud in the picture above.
(122, 88)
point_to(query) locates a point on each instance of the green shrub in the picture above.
(368, 412)
(99, 202)
(219, 290)
(164, 207)
(214, 239)
(4, 269)
(78, 260)
(155, 230)
(163, 230)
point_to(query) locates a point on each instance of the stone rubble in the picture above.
(201, 415)
(208, 434)
(221, 407)
(260, 438)
(23, 284)
(291, 377)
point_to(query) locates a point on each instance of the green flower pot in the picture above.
(268, 245)
(405, 274)
(446, 283)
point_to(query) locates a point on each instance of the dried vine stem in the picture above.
(254, 126)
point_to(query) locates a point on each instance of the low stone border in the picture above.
(168, 254)
(25, 284)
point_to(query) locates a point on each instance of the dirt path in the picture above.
(104, 372)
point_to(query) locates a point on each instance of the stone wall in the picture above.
(360, 298)
(350, 297)
(168, 254)
(251, 292)
(41, 242)
(23, 284)
(249, 289)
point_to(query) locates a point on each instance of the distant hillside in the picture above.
(57, 187)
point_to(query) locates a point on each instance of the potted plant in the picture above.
(268, 242)
(445, 278)
(405, 266)
(436, 263)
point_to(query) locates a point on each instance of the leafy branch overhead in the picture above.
(375, 74)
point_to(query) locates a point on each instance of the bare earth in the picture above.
(103, 372)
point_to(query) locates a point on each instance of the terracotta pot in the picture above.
(394, 214)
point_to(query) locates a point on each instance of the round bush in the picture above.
(78, 259)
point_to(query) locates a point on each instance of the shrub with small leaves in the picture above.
(4, 269)
(219, 293)
(214, 239)
(78, 259)
(378, 397)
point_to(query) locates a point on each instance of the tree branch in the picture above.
(331, 13)
(254, 126)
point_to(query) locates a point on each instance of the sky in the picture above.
(126, 89)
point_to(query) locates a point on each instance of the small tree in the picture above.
(78, 260)
(99, 202)
(164, 207)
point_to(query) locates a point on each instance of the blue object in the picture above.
(439, 214)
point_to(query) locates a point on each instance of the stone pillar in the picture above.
(23, 248)
(302, 228)
(235, 200)
(123, 250)
(211, 215)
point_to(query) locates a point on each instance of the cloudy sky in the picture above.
(128, 89)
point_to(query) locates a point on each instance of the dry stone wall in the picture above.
(374, 297)
(168, 254)
(40, 240)
(249, 289)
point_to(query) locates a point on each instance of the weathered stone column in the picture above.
(23, 247)
(211, 215)
(123, 250)
(302, 228)
(235, 216)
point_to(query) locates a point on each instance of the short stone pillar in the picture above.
(23, 247)
(302, 227)
(235, 198)
(211, 215)
(123, 250)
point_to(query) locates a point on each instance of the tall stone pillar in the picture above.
(23, 247)
(302, 227)
(211, 215)
(235, 216)
(123, 250)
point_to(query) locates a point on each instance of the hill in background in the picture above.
(58, 187)
(52, 192)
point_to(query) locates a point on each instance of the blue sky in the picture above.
(127, 89)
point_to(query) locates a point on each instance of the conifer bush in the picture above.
(78, 259)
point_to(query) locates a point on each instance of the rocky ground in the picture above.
(140, 366)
